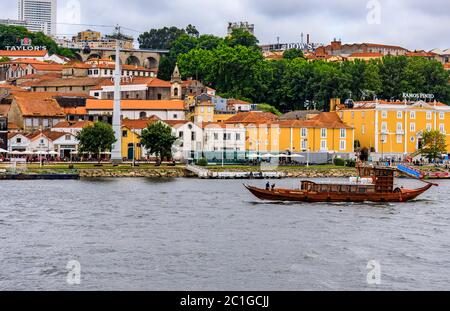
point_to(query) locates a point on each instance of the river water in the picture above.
(190, 234)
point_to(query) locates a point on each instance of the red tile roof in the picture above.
(252, 117)
(49, 134)
(4, 53)
(139, 124)
(37, 104)
(366, 55)
(73, 124)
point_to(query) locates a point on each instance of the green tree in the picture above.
(241, 37)
(192, 31)
(292, 54)
(4, 59)
(96, 139)
(268, 108)
(157, 138)
(433, 145)
(11, 35)
(160, 38)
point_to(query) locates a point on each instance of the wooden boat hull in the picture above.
(288, 195)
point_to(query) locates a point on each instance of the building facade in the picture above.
(395, 128)
(39, 11)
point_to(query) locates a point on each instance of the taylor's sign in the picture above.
(25, 45)
(418, 96)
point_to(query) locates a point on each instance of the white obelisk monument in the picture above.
(116, 152)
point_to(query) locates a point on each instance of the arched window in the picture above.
(142, 115)
(175, 92)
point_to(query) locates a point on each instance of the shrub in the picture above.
(339, 162)
(350, 163)
(202, 162)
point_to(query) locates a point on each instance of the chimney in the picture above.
(307, 39)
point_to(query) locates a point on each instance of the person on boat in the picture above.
(273, 187)
(268, 186)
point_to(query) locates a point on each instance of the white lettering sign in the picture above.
(418, 95)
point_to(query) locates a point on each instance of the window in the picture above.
(202, 109)
(192, 135)
(96, 94)
(343, 133)
(429, 116)
(209, 109)
(412, 127)
(441, 116)
(45, 122)
(142, 115)
(35, 122)
(442, 128)
(19, 140)
(304, 144)
(343, 145)
(429, 127)
(399, 139)
(175, 116)
(216, 136)
(323, 133)
(384, 127)
(304, 132)
(384, 114)
(181, 134)
(323, 145)
(363, 129)
(238, 136)
(68, 137)
(399, 127)
(124, 133)
(412, 115)
(399, 115)
(41, 141)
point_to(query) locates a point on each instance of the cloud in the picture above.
(414, 24)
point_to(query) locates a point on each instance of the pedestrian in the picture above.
(268, 186)
(273, 187)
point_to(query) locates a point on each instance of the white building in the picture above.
(40, 12)
(18, 142)
(190, 140)
(30, 25)
(223, 140)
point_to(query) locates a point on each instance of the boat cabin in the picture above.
(337, 188)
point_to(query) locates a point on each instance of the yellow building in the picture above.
(201, 110)
(395, 128)
(323, 133)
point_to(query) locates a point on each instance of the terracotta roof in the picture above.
(150, 82)
(420, 54)
(67, 82)
(25, 61)
(48, 67)
(371, 104)
(103, 104)
(37, 76)
(447, 66)
(139, 124)
(252, 117)
(38, 104)
(77, 111)
(72, 124)
(175, 123)
(323, 120)
(23, 53)
(49, 134)
(11, 135)
(368, 54)
(77, 65)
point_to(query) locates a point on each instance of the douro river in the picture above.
(189, 234)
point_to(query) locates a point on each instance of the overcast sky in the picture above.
(414, 24)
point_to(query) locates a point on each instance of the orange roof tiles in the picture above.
(4, 53)
(367, 54)
(61, 82)
(37, 104)
(252, 117)
(139, 124)
(77, 111)
(51, 135)
(102, 104)
(72, 124)
(48, 67)
(4, 109)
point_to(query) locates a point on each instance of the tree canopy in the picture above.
(236, 68)
(157, 138)
(433, 145)
(96, 138)
(11, 35)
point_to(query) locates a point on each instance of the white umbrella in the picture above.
(253, 156)
(297, 156)
(3, 150)
(53, 153)
(267, 155)
(15, 152)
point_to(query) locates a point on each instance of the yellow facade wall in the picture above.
(130, 138)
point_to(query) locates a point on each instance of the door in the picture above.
(130, 151)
